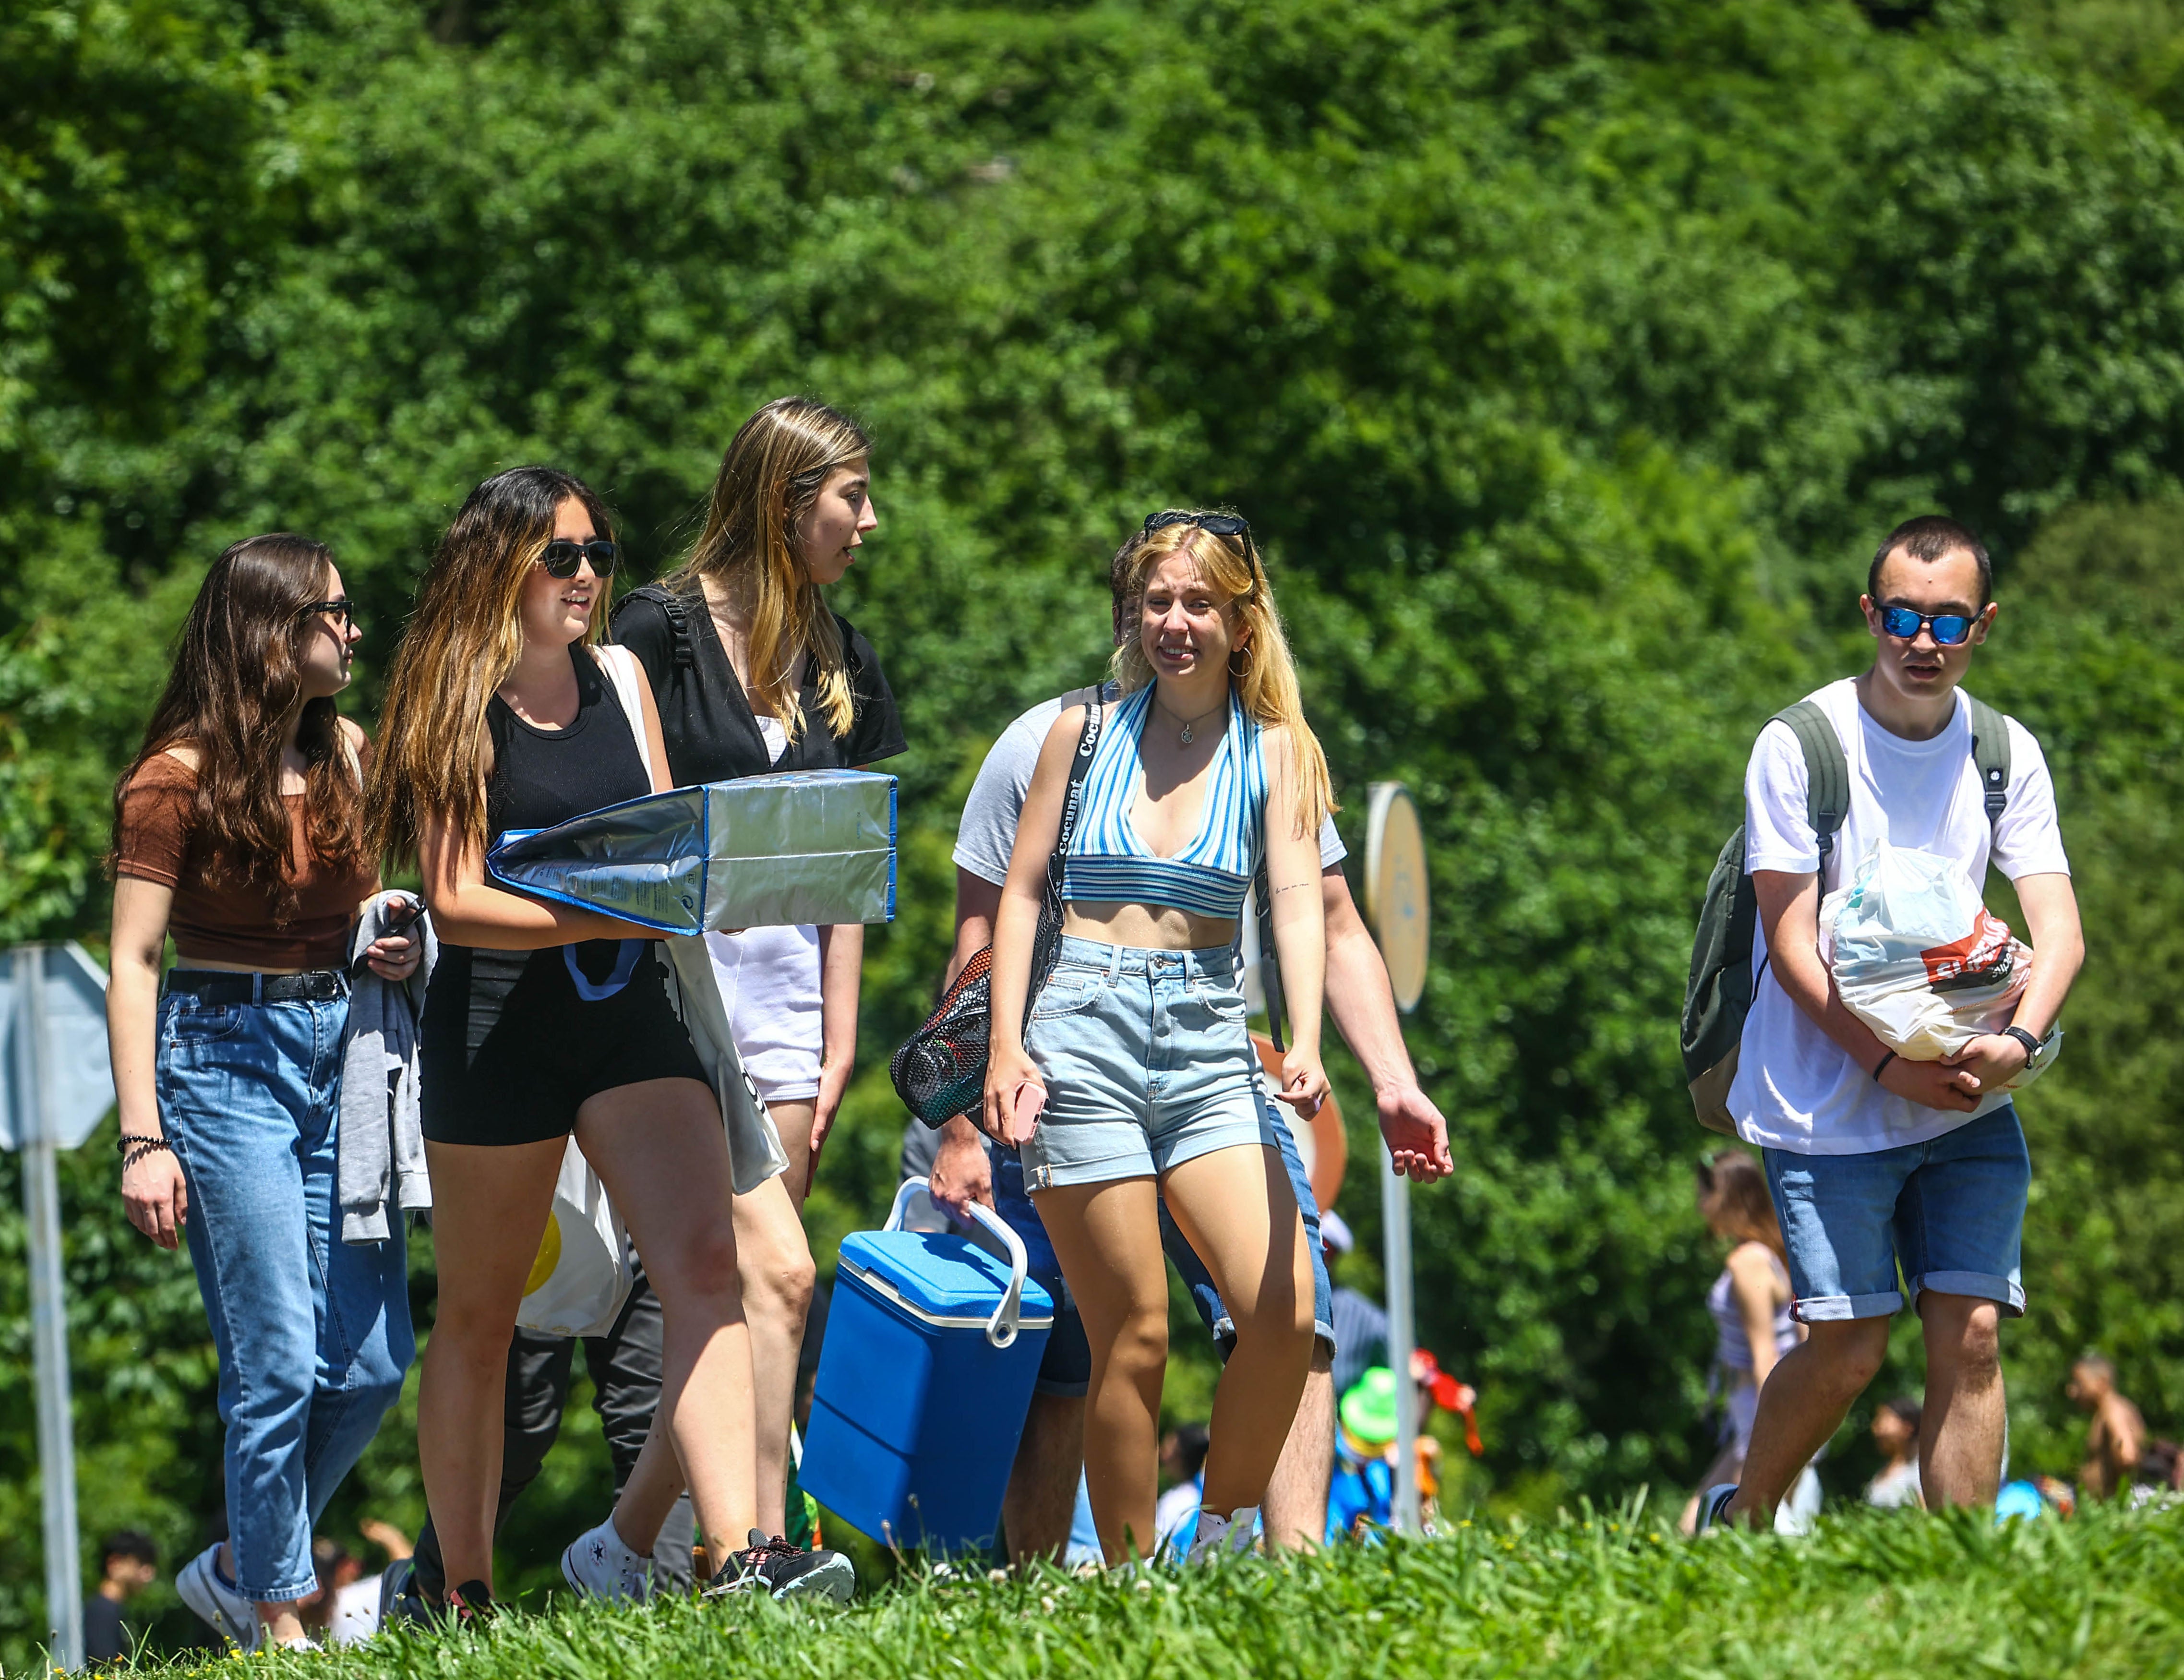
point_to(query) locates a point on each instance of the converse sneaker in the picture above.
(785, 1571)
(1223, 1536)
(597, 1565)
(214, 1597)
(1712, 1506)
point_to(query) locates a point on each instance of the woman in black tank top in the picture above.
(543, 1019)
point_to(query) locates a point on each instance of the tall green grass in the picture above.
(1870, 1593)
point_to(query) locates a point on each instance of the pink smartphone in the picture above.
(1024, 1112)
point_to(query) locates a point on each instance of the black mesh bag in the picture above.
(940, 1070)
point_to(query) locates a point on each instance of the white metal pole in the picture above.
(42, 1207)
(1395, 1255)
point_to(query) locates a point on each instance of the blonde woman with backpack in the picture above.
(754, 672)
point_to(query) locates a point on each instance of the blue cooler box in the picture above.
(924, 1379)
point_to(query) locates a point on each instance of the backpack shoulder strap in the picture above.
(678, 621)
(1991, 757)
(1827, 771)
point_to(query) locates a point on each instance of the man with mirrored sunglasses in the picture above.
(1896, 1180)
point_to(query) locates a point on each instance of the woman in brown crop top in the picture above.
(238, 830)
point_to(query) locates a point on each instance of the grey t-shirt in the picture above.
(987, 832)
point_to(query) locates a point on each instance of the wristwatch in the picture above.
(2036, 1050)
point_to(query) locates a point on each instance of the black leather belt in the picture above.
(213, 986)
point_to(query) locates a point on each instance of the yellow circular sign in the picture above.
(1396, 902)
(549, 1256)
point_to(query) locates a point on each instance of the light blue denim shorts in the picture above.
(1950, 1212)
(1148, 1064)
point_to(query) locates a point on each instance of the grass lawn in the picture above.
(1896, 1593)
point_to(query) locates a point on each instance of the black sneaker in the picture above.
(785, 1571)
(401, 1599)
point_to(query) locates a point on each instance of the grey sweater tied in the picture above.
(379, 1149)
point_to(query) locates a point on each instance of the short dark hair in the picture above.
(129, 1543)
(1191, 1442)
(1906, 1407)
(1927, 538)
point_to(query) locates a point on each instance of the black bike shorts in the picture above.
(513, 1043)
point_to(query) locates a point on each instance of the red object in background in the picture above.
(1450, 1395)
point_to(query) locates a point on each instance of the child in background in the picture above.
(1183, 1459)
(1896, 1433)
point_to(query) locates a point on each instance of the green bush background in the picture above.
(1568, 356)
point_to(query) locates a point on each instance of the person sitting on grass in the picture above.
(1362, 1492)
(2118, 1436)
(1896, 1433)
(128, 1563)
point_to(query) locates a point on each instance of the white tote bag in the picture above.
(581, 1279)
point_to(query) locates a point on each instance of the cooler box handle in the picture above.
(1001, 1327)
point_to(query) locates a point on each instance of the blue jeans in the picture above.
(1950, 1212)
(1066, 1367)
(313, 1334)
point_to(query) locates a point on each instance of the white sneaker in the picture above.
(597, 1564)
(1229, 1535)
(219, 1605)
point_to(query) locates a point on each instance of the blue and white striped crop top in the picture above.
(1106, 861)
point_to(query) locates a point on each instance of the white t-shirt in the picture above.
(987, 831)
(356, 1612)
(1796, 1089)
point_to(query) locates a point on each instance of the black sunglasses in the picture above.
(562, 557)
(341, 609)
(1214, 524)
(1904, 623)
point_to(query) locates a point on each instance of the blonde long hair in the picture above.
(770, 479)
(1262, 673)
(462, 642)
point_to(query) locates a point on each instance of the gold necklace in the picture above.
(1184, 738)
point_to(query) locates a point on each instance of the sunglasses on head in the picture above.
(340, 609)
(562, 557)
(1950, 629)
(1214, 524)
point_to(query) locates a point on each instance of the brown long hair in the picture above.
(1732, 1198)
(770, 478)
(1262, 672)
(462, 642)
(238, 674)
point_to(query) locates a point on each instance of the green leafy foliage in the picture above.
(1568, 358)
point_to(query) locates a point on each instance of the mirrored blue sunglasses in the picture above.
(1904, 624)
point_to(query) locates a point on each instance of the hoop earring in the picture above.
(1244, 653)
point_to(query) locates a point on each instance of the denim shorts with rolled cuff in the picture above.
(1949, 1212)
(1066, 1366)
(1147, 1062)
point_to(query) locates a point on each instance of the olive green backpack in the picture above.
(1718, 995)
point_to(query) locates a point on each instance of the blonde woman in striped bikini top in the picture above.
(1139, 1051)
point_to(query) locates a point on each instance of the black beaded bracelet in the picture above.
(133, 1147)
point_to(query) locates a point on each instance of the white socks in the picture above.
(1230, 1534)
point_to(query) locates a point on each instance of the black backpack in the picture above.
(1718, 995)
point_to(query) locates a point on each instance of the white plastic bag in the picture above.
(581, 1279)
(1918, 957)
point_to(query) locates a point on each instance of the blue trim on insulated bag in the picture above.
(1718, 996)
